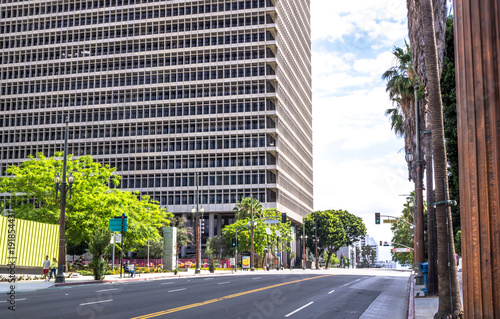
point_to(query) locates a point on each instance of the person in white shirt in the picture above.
(46, 267)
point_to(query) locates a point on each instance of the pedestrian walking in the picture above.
(53, 268)
(46, 267)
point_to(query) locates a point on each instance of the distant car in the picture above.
(377, 266)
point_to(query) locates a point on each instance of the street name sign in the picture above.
(115, 224)
(401, 250)
(390, 221)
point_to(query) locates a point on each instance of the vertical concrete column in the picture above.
(211, 225)
(477, 63)
(219, 225)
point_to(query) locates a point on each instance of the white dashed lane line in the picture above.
(93, 302)
(103, 290)
(291, 313)
(177, 290)
(167, 283)
(223, 283)
(331, 292)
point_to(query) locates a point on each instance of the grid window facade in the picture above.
(163, 90)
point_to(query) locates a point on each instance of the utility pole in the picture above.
(251, 235)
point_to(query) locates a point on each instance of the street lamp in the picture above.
(197, 210)
(251, 236)
(303, 237)
(62, 215)
(316, 240)
(409, 160)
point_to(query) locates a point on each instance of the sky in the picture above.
(359, 163)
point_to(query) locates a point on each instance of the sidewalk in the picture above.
(30, 285)
(426, 307)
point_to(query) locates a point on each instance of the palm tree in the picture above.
(400, 86)
(243, 208)
(450, 304)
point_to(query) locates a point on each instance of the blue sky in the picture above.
(359, 163)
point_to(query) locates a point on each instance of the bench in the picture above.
(131, 267)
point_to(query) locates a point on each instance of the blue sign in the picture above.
(115, 224)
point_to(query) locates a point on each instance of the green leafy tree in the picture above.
(94, 200)
(99, 243)
(155, 250)
(373, 256)
(402, 235)
(184, 233)
(335, 229)
(330, 231)
(261, 239)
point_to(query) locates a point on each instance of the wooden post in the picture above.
(477, 58)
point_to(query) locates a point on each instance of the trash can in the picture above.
(424, 267)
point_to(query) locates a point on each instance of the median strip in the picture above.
(207, 302)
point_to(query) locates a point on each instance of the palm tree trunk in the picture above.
(450, 304)
(432, 288)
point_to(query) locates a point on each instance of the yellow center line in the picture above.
(198, 304)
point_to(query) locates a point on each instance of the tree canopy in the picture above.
(94, 199)
(335, 229)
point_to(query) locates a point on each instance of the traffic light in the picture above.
(377, 218)
(202, 225)
(233, 244)
(380, 243)
(283, 218)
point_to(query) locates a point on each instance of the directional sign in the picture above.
(401, 250)
(390, 221)
(115, 224)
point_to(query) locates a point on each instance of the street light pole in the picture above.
(196, 211)
(316, 242)
(62, 215)
(304, 238)
(251, 236)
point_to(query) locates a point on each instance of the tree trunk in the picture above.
(329, 254)
(450, 304)
(432, 288)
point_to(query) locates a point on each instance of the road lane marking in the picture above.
(167, 283)
(208, 279)
(16, 300)
(177, 290)
(255, 278)
(291, 313)
(103, 290)
(223, 283)
(331, 291)
(93, 302)
(207, 302)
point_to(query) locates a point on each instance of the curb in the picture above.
(77, 283)
(411, 301)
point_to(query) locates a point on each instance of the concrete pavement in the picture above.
(425, 307)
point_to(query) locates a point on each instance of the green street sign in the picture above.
(115, 224)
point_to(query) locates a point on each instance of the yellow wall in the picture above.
(33, 241)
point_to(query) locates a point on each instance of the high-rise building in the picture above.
(163, 90)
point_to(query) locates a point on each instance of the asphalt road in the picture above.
(259, 295)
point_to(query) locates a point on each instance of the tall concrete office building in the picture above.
(163, 90)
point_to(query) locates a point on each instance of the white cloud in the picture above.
(357, 164)
(375, 19)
